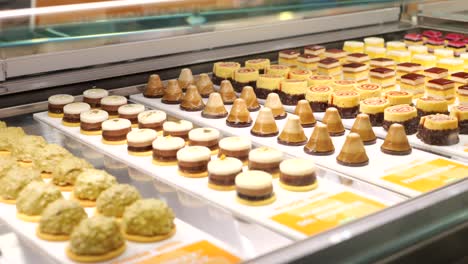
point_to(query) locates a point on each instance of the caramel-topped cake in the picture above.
(214, 107)
(358, 58)
(71, 113)
(193, 161)
(353, 153)
(316, 50)
(265, 124)
(396, 141)
(374, 108)
(186, 78)
(399, 97)
(173, 93)
(460, 112)
(140, 141)
(333, 121)
(224, 71)
(130, 112)
(441, 88)
(408, 67)
(152, 119)
(356, 71)
(56, 104)
(178, 128)
(293, 133)
(222, 173)
(462, 93)
(439, 129)
(250, 98)
(308, 62)
(281, 70)
(413, 39)
(235, 147)
(298, 175)
(154, 88)
(273, 102)
(204, 85)
(435, 73)
(363, 127)
(254, 188)
(396, 45)
(320, 142)
(291, 91)
(336, 54)
(266, 84)
(207, 137)
(192, 100)
(368, 90)
(405, 115)
(111, 104)
(374, 42)
(384, 77)
(382, 63)
(261, 65)
(346, 102)
(93, 96)
(288, 57)
(239, 115)
(244, 77)
(266, 159)
(343, 85)
(316, 80)
(299, 74)
(317, 96)
(426, 60)
(329, 67)
(305, 113)
(227, 92)
(413, 83)
(376, 52)
(165, 150)
(114, 131)
(460, 78)
(399, 56)
(430, 106)
(91, 121)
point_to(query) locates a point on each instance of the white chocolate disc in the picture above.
(168, 143)
(141, 135)
(203, 134)
(116, 124)
(94, 116)
(235, 143)
(151, 116)
(194, 154)
(265, 155)
(131, 109)
(61, 99)
(95, 93)
(76, 108)
(297, 167)
(114, 100)
(225, 166)
(254, 180)
(177, 126)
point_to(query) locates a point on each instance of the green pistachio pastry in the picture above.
(48, 158)
(113, 201)
(15, 179)
(61, 217)
(91, 183)
(35, 197)
(5, 164)
(9, 136)
(27, 146)
(149, 217)
(66, 171)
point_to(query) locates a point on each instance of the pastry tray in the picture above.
(286, 201)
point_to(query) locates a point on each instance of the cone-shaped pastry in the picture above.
(305, 113)
(205, 85)
(320, 142)
(396, 141)
(173, 93)
(239, 115)
(154, 88)
(192, 101)
(250, 98)
(185, 78)
(363, 127)
(273, 102)
(214, 107)
(265, 124)
(293, 133)
(227, 92)
(333, 121)
(353, 153)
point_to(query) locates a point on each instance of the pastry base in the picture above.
(66, 188)
(7, 201)
(316, 153)
(299, 188)
(193, 175)
(120, 142)
(141, 154)
(46, 175)
(164, 163)
(98, 258)
(370, 142)
(91, 133)
(68, 124)
(287, 143)
(336, 134)
(28, 218)
(349, 164)
(84, 203)
(257, 203)
(48, 237)
(5, 153)
(145, 239)
(394, 152)
(54, 115)
(221, 188)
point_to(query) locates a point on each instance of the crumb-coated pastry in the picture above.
(207, 137)
(411, 39)
(399, 97)
(48, 158)
(165, 150)
(250, 98)
(374, 42)
(15, 179)
(152, 119)
(222, 173)
(224, 71)
(173, 93)
(111, 104)
(91, 121)
(430, 106)
(368, 90)
(185, 78)
(261, 64)
(71, 113)
(154, 88)
(317, 96)
(288, 57)
(353, 153)
(426, 60)
(413, 83)
(66, 171)
(405, 115)
(90, 184)
(148, 220)
(93, 96)
(235, 147)
(307, 62)
(292, 133)
(442, 89)
(192, 100)
(352, 46)
(329, 67)
(131, 112)
(316, 50)
(382, 63)
(178, 128)
(113, 201)
(239, 116)
(462, 93)
(438, 129)
(56, 104)
(408, 67)
(204, 85)
(114, 131)
(244, 77)
(214, 108)
(25, 149)
(299, 74)
(317, 80)
(140, 141)
(460, 112)
(9, 137)
(34, 198)
(320, 142)
(338, 54)
(255, 188)
(396, 141)
(376, 52)
(292, 90)
(265, 159)
(374, 108)
(193, 161)
(347, 103)
(355, 71)
(227, 92)
(281, 70)
(435, 73)
(343, 85)
(265, 124)
(6, 163)
(266, 84)
(298, 175)
(96, 239)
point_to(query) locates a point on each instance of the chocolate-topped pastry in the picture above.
(185, 78)
(460, 112)
(281, 70)
(265, 124)
(413, 83)
(165, 150)
(222, 173)
(358, 58)
(460, 78)
(374, 108)
(408, 67)
(396, 141)
(329, 67)
(239, 115)
(131, 112)
(382, 63)
(273, 102)
(347, 103)
(204, 85)
(114, 131)
(193, 161)
(111, 104)
(207, 137)
(93, 96)
(250, 98)
(353, 153)
(244, 77)
(261, 65)
(254, 188)
(224, 71)
(214, 107)
(368, 90)
(438, 129)
(405, 115)
(384, 77)
(266, 84)
(441, 88)
(308, 62)
(154, 88)
(235, 147)
(355, 71)
(430, 106)
(299, 74)
(317, 96)
(288, 58)
(292, 91)
(305, 113)
(292, 133)
(398, 98)
(298, 175)
(91, 121)
(56, 104)
(178, 128)
(266, 159)
(140, 141)
(172, 93)
(152, 119)
(192, 101)
(338, 54)
(462, 93)
(435, 73)
(316, 50)
(71, 113)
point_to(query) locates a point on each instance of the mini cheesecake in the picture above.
(299, 74)
(165, 150)
(316, 80)
(460, 112)
(457, 46)
(71, 113)
(336, 54)
(94, 96)
(266, 159)
(254, 188)
(399, 56)
(131, 112)
(281, 70)
(385, 77)
(178, 128)
(462, 93)
(140, 141)
(443, 53)
(152, 119)
(298, 175)
(193, 161)
(442, 89)
(435, 73)
(405, 115)
(206, 137)
(343, 85)
(317, 96)
(91, 121)
(460, 78)
(308, 62)
(111, 104)
(374, 108)
(114, 131)
(396, 45)
(413, 83)
(261, 65)
(222, 173)
(399, 97)
(316, 50)
(417, 49)
(56, 104)
(329, 67)
(376, 52)
(352, 46)
(292, 91)
(430, 106)
(426, 60)
(382, 63)
(368, 90)
(434, 43)
(244, 77)
(408, 67)
(347, 103)
(439, 130)
(374, 42)
(266, 84)
(356, 71)
(358, 58)
(288, 58)
(452, 64)
(224, 71)
(235, 147)
(412, 39)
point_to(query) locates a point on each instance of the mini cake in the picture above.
(298, 175)
(396, 141)
(235, 147)
(192, 100)
(56, 104)
(130, 112)
(429, 106)
(222, 173)
(374, 42)
(154, 88)
(442, 89)
(140, 141)
(435, 73)
(66, 170)
(356, 71)
(417, 49)
(443, 53)
(434, 43)
(288, 57)
(292, 133)
(25, 149)
(93, 97)
(462, 93)
(346, 102)
(453, 37)
(239, 115)
(244, 77)
(358, 58)
(96, 239)
(91, 121)
(368, 90)
(353, 153)
(427, 34)
(399, 97)
(308, 62)
(178, 128)
(207, 137)
(352, 46)
(274, 103)
(374, 108)
(261, 65)
(316, 80)
(413, 39)
(152, 119)
(405, 115)
(59, 219)
(193, 161)
(204, 85)
(382, 63)
(265, 159)
(214, 107)
(90, 184)
(111, 104)
(165, 150)
(363, 127)
(224, 71)
(173, 93)
(281, 70)
(250, 98)
(399, 56)
(266, 84)
(317, 96)
(299, 74)
(292, 91)
(227, 92)
(305, 114)
(460, 112)
(254, 188)
(114, 131)
(376, 52)
(148, 220)
(48, 158)
(185, 79)
(113, 201)
(15, 180)
(413, 83)
(34, 198)
(408, 67)
(452, 64)
(316, 50)
(460, 78)
(438, 129)
(320, 142)
(343, 85)
(71, 113)
(457, 47)
(333, 121)
(426, 60)
(329, 67)
(265, 124)
(336, 54)
(396, 45)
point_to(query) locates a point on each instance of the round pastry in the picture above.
(429, 106)
(317, 96)
(113, 201)
(261, 65)
(207, 137)
(224, 71)
(165, 150)
(56, 104)
(111, 104)
(90, 184)
(319, 80)
(114, 131)
(178, 128)
(281, 70)
(398, 98)
(460, 112)
(267, 83)
(48, 158)
(34, 198)
(405, 115)
(254, 188)
(152, 119)
(343, 85)
(148, 220)
(140, 141)
(222, 173)
(299, 74)
(292, 91)
(91, 121)
(347, 103)
(368, 90)
(71, 113)
(93, 96)
(131, 112)
(25, 149)
(15, 179)
(298, 175)
(244, 77)
(96, 239)
(235, 147)
(193, 161)
(374, 108)
(265, 159)
(66, 171)
(439, 130)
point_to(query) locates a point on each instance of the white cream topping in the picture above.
(168, 143)
(177, 126)
(151, 116)
(131, 109)
(94, 116)
(424, 57)
(116, 124)
(253, 180)
(61, 99)
(443, 52)
(76, 108)
(374, 40)
(358, 69)
(265, 155)
(141, 135)
(225, 166)
(418, 49)
(353, 44)
(194, 154)
(114, 100)
(203, 134)
(95, 93)
(297, 167)
(398, 53)
(335, 55)
(452, 61)
(464, 56)
(235, 143)
(377, 50)
(396, 44)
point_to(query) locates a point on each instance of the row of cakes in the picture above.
(25, 168)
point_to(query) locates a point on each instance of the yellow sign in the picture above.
(327, 213)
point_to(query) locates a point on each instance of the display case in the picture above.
(395, 209)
